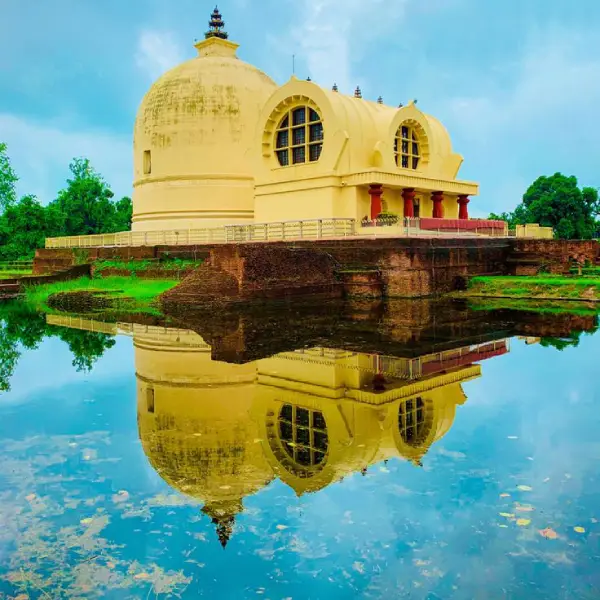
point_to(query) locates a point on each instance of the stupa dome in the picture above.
(193, 140)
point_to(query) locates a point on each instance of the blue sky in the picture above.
(516, 82)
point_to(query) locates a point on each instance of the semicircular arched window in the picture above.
(303, 435)
(407, 147)
(299, 137)
(414, 422)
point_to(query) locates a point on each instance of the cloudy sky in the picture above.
(516, 82)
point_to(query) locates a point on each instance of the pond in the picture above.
(412, 450)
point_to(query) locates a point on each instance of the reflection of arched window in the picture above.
(414, 422)
(407, 147)
(299, 137)
(303, 435)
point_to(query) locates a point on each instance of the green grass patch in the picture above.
(13, 274)
(138, 266)
(585, 288)
(137, 295)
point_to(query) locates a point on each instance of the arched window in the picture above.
(414, 422)
(303, 435)
(407, 147)
(299, 137)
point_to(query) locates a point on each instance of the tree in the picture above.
(558, 202)
(123, 214)
(85, 204)
(8, 180)
(23, 228)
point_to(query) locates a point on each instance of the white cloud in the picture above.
(41, 153)
(157, 52)
(332, 34)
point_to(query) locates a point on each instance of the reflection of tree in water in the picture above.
(87, 346)
(562, 342)
(21, 327)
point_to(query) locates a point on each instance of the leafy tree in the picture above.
(558, 202)
(123, 214)
(23, 228)
(87, 346)
(8, 179)
(85, 204)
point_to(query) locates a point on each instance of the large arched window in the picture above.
(414, 422)
(299, 137)
(407, 147)
(303, 435)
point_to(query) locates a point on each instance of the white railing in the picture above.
(254, 232)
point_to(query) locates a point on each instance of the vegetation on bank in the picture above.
(128, 293)
(550, 287)
(558, 202)
(172, 265)
(85, 206)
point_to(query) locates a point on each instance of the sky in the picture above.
(517, 83)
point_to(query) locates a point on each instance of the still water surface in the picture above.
(137, 465)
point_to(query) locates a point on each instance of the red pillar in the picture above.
(438, 208)
(375, 191)
(409, 202)
(463, 211)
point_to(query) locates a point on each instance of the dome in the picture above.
(193, 139)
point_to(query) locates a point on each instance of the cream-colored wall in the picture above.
(198, 123)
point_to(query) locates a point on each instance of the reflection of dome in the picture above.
(196, 428)
(191, 141)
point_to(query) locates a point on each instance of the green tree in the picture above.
(558, 202)
(8, 179)
(123, 214)
(85, 204)
(23, 228)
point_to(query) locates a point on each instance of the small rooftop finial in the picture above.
(308, 78)
(380, 100)
(335, 87)
(357, 92)
(216, 26)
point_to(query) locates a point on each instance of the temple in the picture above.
(217, 142)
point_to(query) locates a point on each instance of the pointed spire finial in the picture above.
(308, 78)
(335, 87)
(216, 26)
(357, 92)
(380, 100)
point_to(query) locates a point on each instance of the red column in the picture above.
(409, 202)
(375, 191)
(438, 208)
(463, 211)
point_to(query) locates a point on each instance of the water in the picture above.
(411, 451)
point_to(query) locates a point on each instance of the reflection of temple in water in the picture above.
(220, 432)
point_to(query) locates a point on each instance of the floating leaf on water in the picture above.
(548, 533)
(525, 488)
(358, 567)
(594, 520)
(281, 527)
(503, 526)
(30, 498)
(141, 576)
(504, 495)
(547, 480)
(524, 508)
(523, 522)
(579, 529)
(384, 470)
(507, 515)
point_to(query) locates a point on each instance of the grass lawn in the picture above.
(13, 274)
(137, 294)
(570, 287)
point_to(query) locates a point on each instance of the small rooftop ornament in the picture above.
(380, 100)
(335, 87)
(216, 26)
(308, 78)
(357, 92)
